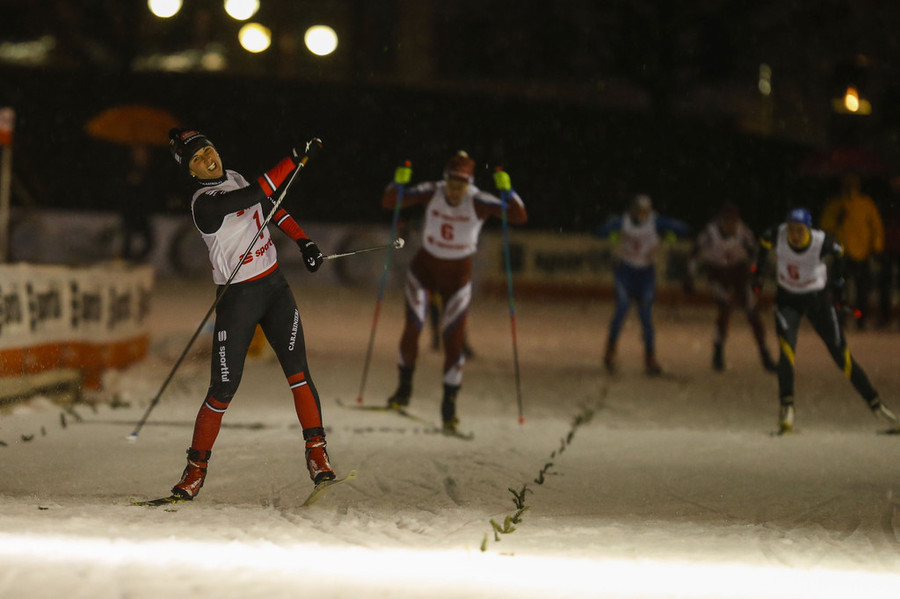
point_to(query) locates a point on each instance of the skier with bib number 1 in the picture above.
(229, 211)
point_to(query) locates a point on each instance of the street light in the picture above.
(241, 10)
(321, 40)
(851, 103)
(164, 8)
(254, 37)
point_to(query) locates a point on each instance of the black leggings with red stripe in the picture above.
(269, 303)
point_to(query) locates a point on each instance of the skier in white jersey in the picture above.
(455, 211)
(806, 289)
(639, 232)
(724, 252)
(229, 211)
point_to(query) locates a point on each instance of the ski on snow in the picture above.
(323, 487)
(386, 409)
(170, 500)
(317, 493)
(431, 428)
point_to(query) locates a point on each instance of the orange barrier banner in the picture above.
(90, 318)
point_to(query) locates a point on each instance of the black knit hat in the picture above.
(184, 143)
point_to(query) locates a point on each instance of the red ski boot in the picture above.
(194, 474)
(317, 460)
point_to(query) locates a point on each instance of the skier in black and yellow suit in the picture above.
(806, 289)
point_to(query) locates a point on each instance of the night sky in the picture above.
(584, 104)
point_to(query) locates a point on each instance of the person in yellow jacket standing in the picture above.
(853, 219)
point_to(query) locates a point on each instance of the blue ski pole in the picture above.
(501, 179)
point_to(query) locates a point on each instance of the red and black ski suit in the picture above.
(229, 212)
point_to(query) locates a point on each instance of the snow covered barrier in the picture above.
(569, 265)
(67, 319)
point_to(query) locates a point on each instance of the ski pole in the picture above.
(501, 179)
(402, 175)
(396, 245)
(312, 148)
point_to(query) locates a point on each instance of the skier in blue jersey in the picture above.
(639, 232)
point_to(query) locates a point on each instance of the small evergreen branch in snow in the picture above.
(580, 419)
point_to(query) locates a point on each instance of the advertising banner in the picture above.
(568, 265)
(59, 317)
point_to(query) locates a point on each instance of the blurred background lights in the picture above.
(852, 102)
(321, 40)
(765, 79)
(254, 37)
(241, 10)
(851, 99)
(164, 8)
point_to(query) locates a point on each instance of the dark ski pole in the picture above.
(402, 175)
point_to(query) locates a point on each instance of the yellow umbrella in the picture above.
(132, 124)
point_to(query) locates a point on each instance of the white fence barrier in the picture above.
(83, 318)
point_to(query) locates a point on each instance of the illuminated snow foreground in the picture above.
(674, 489)
(434, 572)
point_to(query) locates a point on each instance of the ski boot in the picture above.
(194, 474)
(881, 411)
(448, 409)
(718, 361)
(786, 418)
(468, 352)
(651, 366)
(317, 460)
(609, 360)
(400, 398)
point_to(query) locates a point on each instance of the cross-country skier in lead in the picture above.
(803, 290)
(229, 212)
(455, 210)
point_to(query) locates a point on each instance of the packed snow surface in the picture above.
(614, 486)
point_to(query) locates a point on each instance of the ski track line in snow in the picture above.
(580, 419)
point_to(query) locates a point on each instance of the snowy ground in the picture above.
(633, 487)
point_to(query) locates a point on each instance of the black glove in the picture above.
(837, 292)
(311, 150)
(312, 255)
